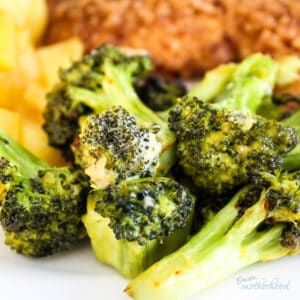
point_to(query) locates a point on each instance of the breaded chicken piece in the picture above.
(269, 26)
(185, 37)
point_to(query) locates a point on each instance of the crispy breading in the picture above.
(185, 37)
(269, 26)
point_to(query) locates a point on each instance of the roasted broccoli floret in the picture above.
(41, 205)
(260, 223)
(159, 93)
(222, 148)
(102, 79)
(135, 223)
(221, 144)
(114, 146)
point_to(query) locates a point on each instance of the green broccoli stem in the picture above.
(213, 83)
(292, 161)
(200, 264)
(251, 83)
(26, 162)
(293, 121)
(242, 87)
(219, 224)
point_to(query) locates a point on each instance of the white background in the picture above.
(78, 275)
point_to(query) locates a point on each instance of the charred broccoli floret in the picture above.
(159, 93)
(135, 223)
(41, 205)
(222, 148)
(115, 146)
(102, 79)
(260, 223)
(219, 144)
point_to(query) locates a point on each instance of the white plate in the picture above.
(77, 275)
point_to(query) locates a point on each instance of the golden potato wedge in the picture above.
(28, 67)
(35, 98)
(18, 10)
(22, 39)
(11, 123)
(59, 55)
(7, 43)
(36, 141)
(11, 90)
(37, 19)
(30, 14)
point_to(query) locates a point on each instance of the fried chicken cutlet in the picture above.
(185, 37)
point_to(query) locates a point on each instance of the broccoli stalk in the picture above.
(135, 223)
(242, 87)
(214, 83)
(27, 164)
(250, 228)
(257, 70)
(292, 161)
(41, 204)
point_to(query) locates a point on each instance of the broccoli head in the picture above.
(98, 81)
(222, 148)
(112, 146)
(41, 205)
(260, 223)
(133, 224)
